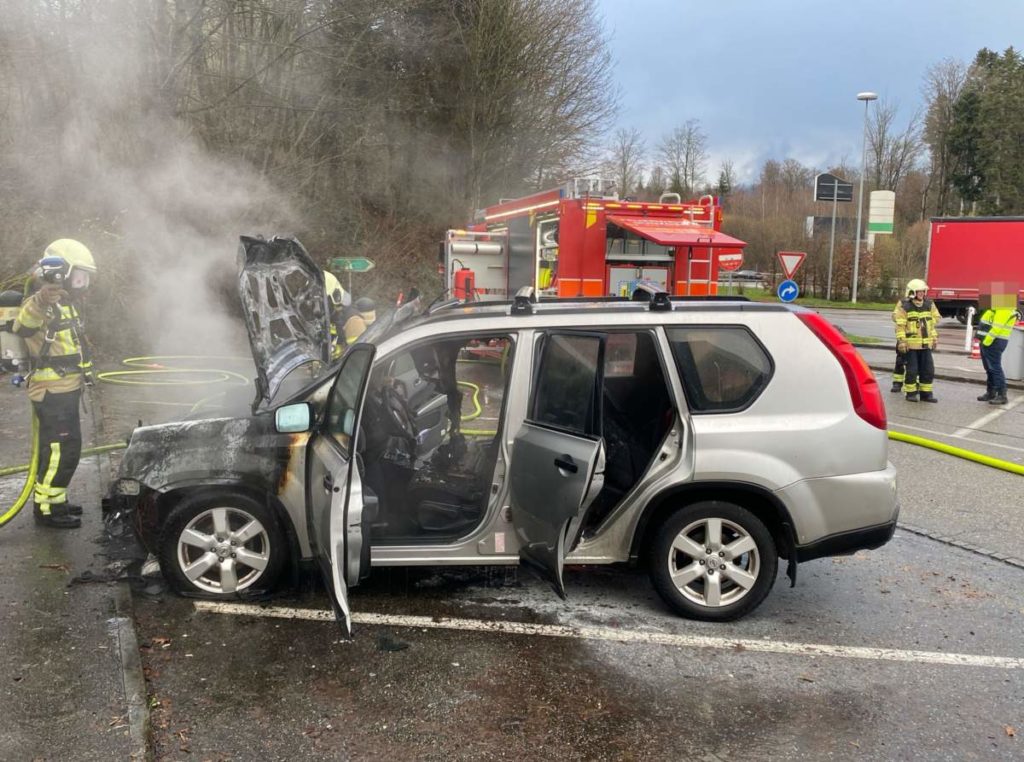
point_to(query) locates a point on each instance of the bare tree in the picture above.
(626, 159)
(726, 178)
(892, 152)
(684, 154)
(944, 82)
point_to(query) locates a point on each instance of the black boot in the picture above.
(57, 518)
(911, 396)
(897, 387)
(74, 510)
(999, 398)
(989, 394)
(928, 397)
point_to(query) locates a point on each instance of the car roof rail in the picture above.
(523, 302)
(656, 299)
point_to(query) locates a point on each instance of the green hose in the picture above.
(977, 457)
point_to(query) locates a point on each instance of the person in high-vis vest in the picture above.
(916, 336)
(59, 363)
(362, 318)
(993, 333)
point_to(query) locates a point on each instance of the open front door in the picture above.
(337, 507)
(558, 457)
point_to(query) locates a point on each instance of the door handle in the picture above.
(566, 463)
(329, 483)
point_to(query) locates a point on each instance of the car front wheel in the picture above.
(218, 545)
(714, 561)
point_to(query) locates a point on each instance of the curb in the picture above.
(132, 678)
(941, 376)
(954, 543)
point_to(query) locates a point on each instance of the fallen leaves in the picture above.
(56, 567)
(1010, 731)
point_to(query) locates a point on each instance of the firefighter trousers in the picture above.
(920, 371)
(899, 371)
(60, 446)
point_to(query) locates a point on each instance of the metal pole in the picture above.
(832, 240)
(860, 203)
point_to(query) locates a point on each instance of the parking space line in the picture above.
(956, 436)
(988, 417)
(620, 636)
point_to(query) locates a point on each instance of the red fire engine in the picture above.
(581, 240)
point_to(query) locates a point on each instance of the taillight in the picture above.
(864, 391)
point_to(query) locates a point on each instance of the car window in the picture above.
(723, 368)
(566, 392)
(343, 405)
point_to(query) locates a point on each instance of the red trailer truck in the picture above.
(581, 240)
(967, 256)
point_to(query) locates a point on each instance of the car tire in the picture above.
(221, 545)
(684, 575)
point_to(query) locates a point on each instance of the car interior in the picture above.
(432, 418)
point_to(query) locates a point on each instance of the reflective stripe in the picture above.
(46, 494)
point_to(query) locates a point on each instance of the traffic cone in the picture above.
(975, 350)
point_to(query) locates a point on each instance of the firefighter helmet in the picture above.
(80, 263)
(916, 285)
(339, 296)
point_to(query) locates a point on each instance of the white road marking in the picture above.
(989, 417)
(620, 636)
(954, 436)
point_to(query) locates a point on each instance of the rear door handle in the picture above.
(566, 463)
(329, 483)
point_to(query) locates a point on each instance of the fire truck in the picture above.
(581, 240)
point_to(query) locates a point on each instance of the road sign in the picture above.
(352, 264)
(730, 260)
(791, 261)
(831, 188)
(788, 290)
(881, 210)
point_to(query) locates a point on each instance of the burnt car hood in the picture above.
(285, 306)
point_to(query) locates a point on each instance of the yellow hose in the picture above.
(30, 480)
(977, 457)
(154, 365)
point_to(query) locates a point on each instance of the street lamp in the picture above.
(867, 98)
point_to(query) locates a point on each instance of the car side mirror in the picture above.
(293, 419)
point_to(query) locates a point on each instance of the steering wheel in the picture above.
(397, 412)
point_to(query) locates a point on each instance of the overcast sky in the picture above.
(779, 78)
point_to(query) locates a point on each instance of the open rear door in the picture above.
(337, 507)
(558, 457)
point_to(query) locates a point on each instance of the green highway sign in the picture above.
(352, 264)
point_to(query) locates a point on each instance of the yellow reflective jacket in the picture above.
(995, 325)
(52, 335)
(915, 323)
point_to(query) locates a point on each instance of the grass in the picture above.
(763, 295)
(855, 339)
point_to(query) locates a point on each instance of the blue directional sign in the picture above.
(788, 290)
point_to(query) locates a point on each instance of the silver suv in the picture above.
(705, 439)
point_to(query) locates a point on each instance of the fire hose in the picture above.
(140, 366)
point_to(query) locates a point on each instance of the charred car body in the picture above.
(681, 434)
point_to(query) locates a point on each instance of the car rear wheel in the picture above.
(714, 561)
(218, 545)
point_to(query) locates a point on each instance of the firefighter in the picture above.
(340, 303)
(916, 336)
(59, 364)
(993, 333)
(364, 315)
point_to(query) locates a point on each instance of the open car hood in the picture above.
(285, 306)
